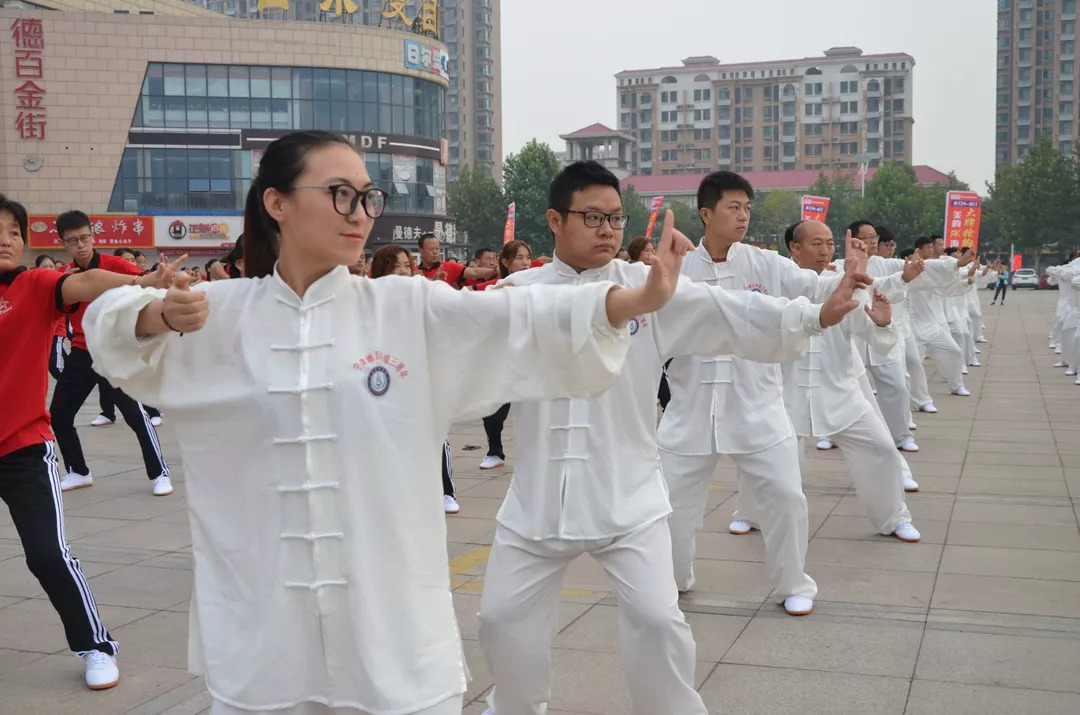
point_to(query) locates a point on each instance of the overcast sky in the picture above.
(560, 56)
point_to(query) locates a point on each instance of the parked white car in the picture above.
(1025, 278)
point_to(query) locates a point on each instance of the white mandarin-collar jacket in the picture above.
(821, 390)
(726, 404)
(587, 468)
(310, 430)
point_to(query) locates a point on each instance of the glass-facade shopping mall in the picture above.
(156, 122)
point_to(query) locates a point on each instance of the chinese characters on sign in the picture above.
(963, 213)
(29, 42)
(445, 231)
(815, 208)
(109, 232)
(508, 229)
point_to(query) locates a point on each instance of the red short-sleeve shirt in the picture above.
(105, 262)
(454, 272)
(30, 304)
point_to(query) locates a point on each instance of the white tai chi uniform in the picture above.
(974, 306)
(311, 454)
(956, 315)
(888, 367)
(587, 480)
(822, 392)
(1060, 276)
(721, 404)
(1069, 282)
(926, 299)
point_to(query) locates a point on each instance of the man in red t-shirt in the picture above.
(31, 302)
(78, 378)
(451, 272)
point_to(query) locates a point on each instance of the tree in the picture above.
(772, 214)
(1034, 202)
(633, 205)
(894, 198)
(686, 220)
(478, 206)
(527, 176)
(841, 192)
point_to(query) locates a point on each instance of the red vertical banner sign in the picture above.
(654, 211)
(963, 213)
(1017, 261)
(815, 208)
(508, 230)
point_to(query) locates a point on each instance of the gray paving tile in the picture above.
(783, 691)
(934, 698)
(1004, 660)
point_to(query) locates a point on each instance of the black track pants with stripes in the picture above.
(74, 386)
(30, 486)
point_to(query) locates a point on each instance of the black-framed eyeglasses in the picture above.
(348, 197)
(595, 219)
(77, 240)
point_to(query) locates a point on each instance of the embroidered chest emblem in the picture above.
(5, 306)
(637, 323)
(381, 368)
(757, 288)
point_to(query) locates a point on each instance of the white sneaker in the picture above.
(1057, 350)
(912, 426)
(101, 421)
(930, 408)
(1077, 381)
(740, 527)
(488, 711)
(978, 352)
(1059, 363)
(964, 370)
(101, 670)
(492, 462)
(910, 485)
(907, 532)
(798, 605)
(450, 505)
(909, 445)
(156, 421)
(76, 481)
(1070, 372)
(975, 363)
(981, 339)
(825, 444)
(961, 391)
(162, 486)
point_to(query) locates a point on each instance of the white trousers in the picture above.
(1070, 349)
(934, 340)
(770, 489)
(893, 398)
(1055, 327)
(451, 706)
(918, 390)
(868, 392)
(976, 317)
(876, 469)
(519, 605)
(961, 335)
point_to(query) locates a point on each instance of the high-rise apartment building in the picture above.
(836, 111)
(1036, 76)
(470, 29)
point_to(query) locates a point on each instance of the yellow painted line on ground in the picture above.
(462, 564)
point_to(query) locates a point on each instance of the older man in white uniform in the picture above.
(823, 393)
(587, 476)
(926, 305)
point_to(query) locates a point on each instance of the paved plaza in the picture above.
(982, 617)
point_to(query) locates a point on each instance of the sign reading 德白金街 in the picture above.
(175, 232)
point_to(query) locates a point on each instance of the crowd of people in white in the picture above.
(321, 581)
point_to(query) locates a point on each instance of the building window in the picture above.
(812, 130)
(669, 135)
(812, 89)
(849, 107)
(768, 132)
(702, 115)
(702, 135)
(849, 127)
(645, 98)
(702, 154)
(669, 155)
(898, 147)
(813, 150)
(898, 85)
(873, 125)
(873, 146)
(724, 113)
(723, 95)
(849, 87)
(812, 110)
(669, 97)
(849, 148)
(898, 106)
(724, 132)
(646, 156)
(702, 95)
